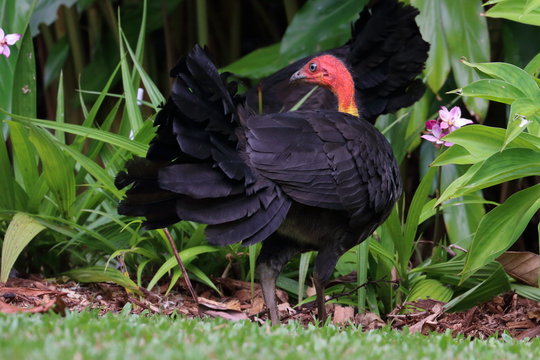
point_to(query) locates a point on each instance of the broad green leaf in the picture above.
(259, 63)
(500, 228)
(7, 180)
(430, 289)
(467, 36)
(102, 274)
(14, 18)
(483, 141)
(520, 111)
(456, 154)
(25, 162)
(504, 166)
(429, 21)
(21, 230)
(496, 284)
(305, 258)
(526, 291)
(491, 89)
(186, 256)
(516, 10)
(510, 74)
(24, 84)
(533, 67)
(420, 197)
(320, 25)
(460, 218)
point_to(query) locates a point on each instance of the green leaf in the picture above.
(430, 289)
(320, 25)
(24, 84)
(491, 89)
(200, 276)
(456, 154)
(500, 228)
(305, 258)
(467, 36)
(526, 291)
(494, 285)
(7, 180)
(132, 109)
(460, 218)
(429, 21)
(102, 274)
(21, 230)
(533, 67)
(483, 141)
(516, 10)
(14, 18)
(186, 256)
(507, 165)
(57, 168)
(259, 63)
(521, 110)
(510, 74)
(133, 146)
(405, 247)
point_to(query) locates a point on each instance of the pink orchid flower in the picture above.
(447, 122)
(452, 119)
(6, 41)
(436, 134)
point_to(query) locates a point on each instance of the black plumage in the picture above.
(385, 55)
(308, 180)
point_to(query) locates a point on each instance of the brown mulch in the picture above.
(518, 316)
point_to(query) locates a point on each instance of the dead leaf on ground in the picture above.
(521, 265)
(343, 314)
(369, 321)
(431, 319)
(11, 309)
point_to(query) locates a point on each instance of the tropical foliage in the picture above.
(71, 117)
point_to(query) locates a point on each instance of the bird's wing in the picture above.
(324, 159)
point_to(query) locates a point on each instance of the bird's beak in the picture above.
(299, 75)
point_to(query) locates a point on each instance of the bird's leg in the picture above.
(267, 278)
(324, 265)
(275, 253)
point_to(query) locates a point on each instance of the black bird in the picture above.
(316, 179)
(385, 55)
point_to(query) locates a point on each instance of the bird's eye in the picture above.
(312, 67)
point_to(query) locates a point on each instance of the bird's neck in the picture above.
(345, 93)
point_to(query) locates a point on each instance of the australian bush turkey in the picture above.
(385, 54)
(316, 179)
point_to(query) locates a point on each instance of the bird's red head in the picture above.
(330, 72)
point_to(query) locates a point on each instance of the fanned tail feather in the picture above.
(193, 170)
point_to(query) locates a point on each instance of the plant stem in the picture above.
(361, 274)
(202, 22)
(182, 268)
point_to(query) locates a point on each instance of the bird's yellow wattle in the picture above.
(349, 109)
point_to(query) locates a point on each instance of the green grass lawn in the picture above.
(89, 336)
